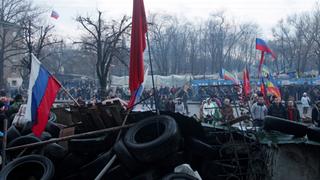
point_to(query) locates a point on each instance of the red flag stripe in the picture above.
(45, 105)
(246, 82)
(138, 45)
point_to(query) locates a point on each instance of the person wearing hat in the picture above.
(316, 113)
(305, 103)
(179, 107)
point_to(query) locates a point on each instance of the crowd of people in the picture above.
(9, 107)
(214, 109)
(172, 99)
(83, 89)
(217, 102)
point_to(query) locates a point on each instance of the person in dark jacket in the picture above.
(170, 105)
(293, 112)
(277, 109)
(316, 113)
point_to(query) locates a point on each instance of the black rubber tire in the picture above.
(146, 145)
(178, 176)
(93, 168)
(285, 126)
(21, 141)
(126, 158)
(70, 165)
(27, 167)
(313, 134)
(44, 136)
(26, 129)
(87, 146)
(12, 133)
(52, 117)
(117, 172)
(54, 152)
(53, 129)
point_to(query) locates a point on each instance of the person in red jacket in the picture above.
(293, 112)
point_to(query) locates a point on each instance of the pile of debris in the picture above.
(93, 143)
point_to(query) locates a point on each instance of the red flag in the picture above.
(138, 45)
(264, 92)
(246, 82)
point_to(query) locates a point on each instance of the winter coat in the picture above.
(278, 111)
(227, 112)
(295, 114)
(305, 100)
(259, 111)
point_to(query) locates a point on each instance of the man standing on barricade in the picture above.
(259, 111)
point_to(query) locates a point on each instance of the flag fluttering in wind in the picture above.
(138, 45)
(43, 88)
(229, 76)
(54, 14)
(263, 90)
(246, 82)
(272, 87)
(263, 47)
(138, 93)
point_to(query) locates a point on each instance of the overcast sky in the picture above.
(264, 12)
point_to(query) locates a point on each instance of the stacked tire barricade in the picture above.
(155, 147)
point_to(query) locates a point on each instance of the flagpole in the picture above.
(68, 93)
(151, 69)
(260, 64)
(63, 88)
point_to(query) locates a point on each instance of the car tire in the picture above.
(93, 168)
(22, 140)
(54, 152)
(87, 145)
(28, 167)
(126, 158)
(53, 129)
(44, 136)
(143, 141)
(12, 133)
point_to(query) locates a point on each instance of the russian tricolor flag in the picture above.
(43, 88)
(54, 14)
(262, 46)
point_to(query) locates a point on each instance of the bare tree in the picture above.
(316, 30)
(12, 14)
(104, 40)
(295, 38)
